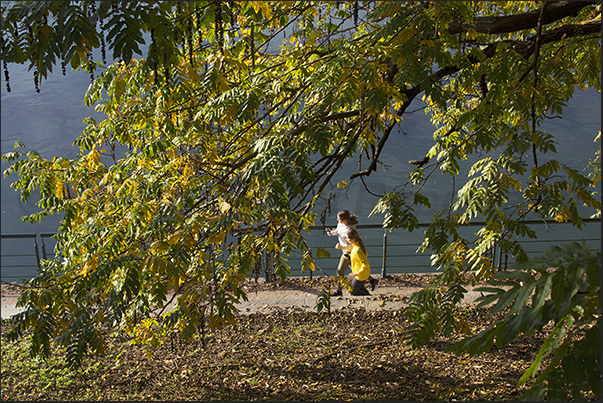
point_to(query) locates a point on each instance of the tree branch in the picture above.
(555, 11)
(525, 49)
(410, 94)
(535, 71)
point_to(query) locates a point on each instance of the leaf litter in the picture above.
(287, 354)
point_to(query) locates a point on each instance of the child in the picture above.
(361, 269)
(346, 221)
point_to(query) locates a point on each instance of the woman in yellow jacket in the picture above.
(361, 269)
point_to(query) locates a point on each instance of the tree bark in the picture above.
(503, 25)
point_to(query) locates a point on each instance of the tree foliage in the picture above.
(221, 139)
(562, 288)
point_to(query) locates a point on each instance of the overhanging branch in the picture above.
(555, 11)
(524, 48)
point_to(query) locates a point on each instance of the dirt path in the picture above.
(300, 294)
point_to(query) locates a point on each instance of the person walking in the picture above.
(345, 222)
(361, 269)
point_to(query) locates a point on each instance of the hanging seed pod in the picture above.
(91, 66)
(233, 24)
(355, 13)
(36, 81)
(177, 32)
(251, 48)
(102, 38)
(6, 76)
(200, 37)
(151, 56)
(63, 68)
(30, 40)
(4, 64)
(178, 12)
(218, 26)
(189, 38)
(91, 12)
(168, 78)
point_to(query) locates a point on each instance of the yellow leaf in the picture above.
(156, 264)
(266, 10)
(93, 159)
(181, 237)
(217, 238)
(159, 247)
(224, 206)
(90, 265)
(342, 184)
(188, 171)
(256, 5)
(59, 189)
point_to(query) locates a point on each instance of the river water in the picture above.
(51, 120)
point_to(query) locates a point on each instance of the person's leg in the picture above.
(373, 282)
(358, 288)
(344, 263)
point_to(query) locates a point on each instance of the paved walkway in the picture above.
(383, 298)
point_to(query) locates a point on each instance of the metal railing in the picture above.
(21, 260)
(21, 255)
(401, 255)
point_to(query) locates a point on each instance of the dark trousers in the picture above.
(358, 288)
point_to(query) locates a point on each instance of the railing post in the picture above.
(37, 252)
(43, 247)
(384, 259)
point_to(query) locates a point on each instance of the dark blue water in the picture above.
(51, 120)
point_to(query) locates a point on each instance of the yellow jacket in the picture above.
(360, 264)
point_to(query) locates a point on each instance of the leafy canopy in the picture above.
(220, 140)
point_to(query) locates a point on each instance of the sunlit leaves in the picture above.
(431, 313)
(217, 143)
(396, 212)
